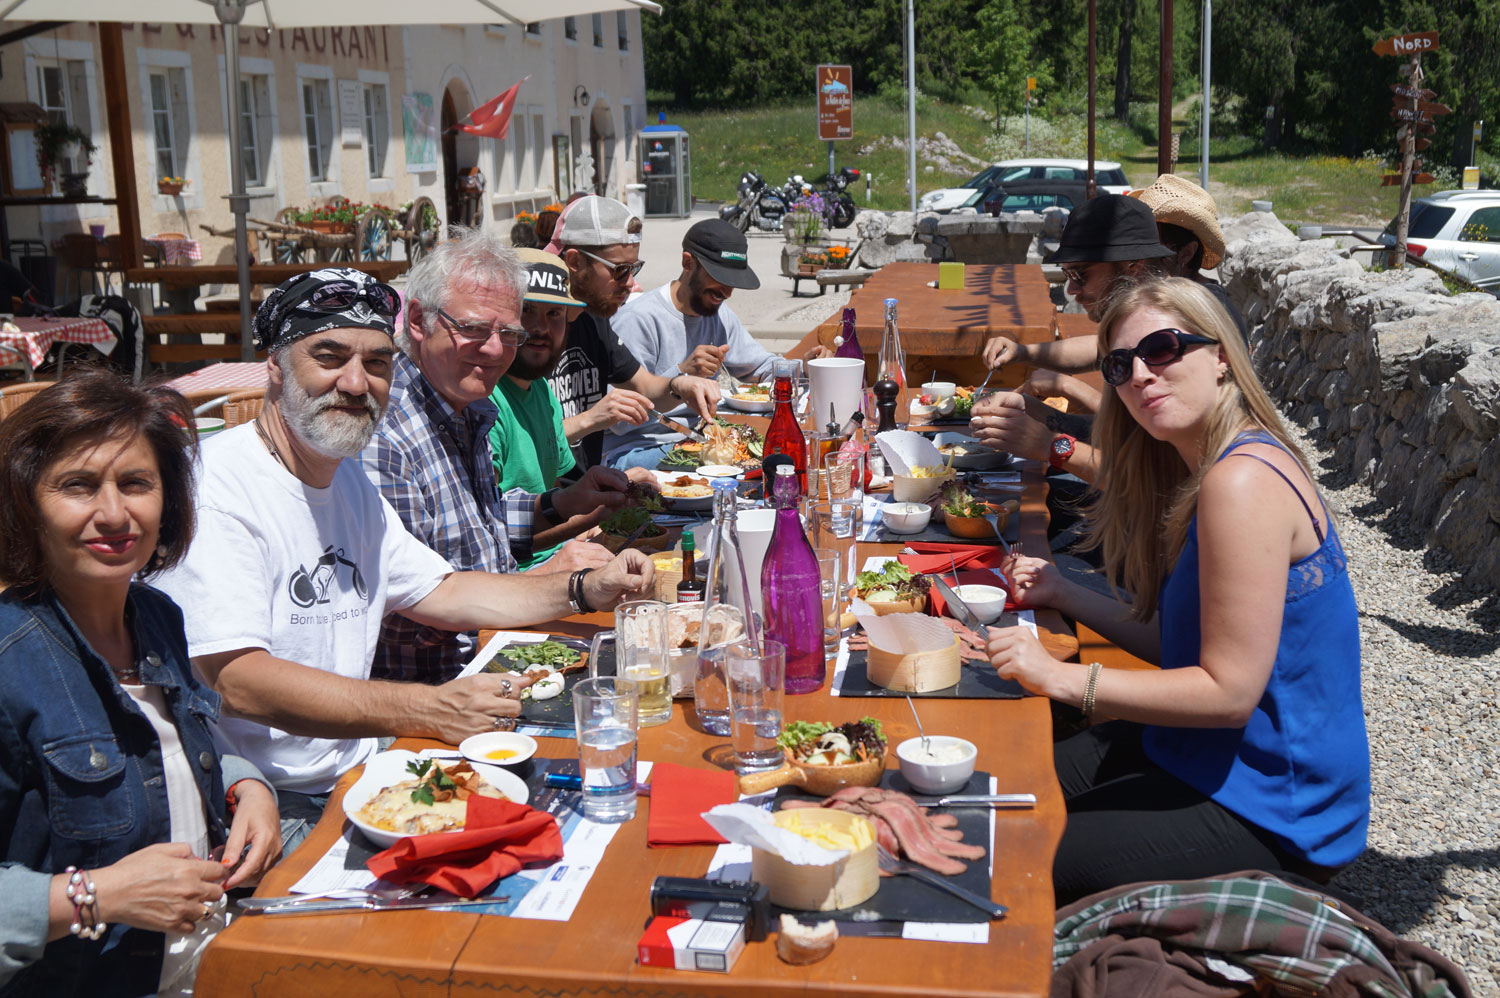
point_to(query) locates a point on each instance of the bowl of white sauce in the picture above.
(942, 766)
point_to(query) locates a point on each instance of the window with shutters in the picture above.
(377, 128)
(170, 130)
(318, 127)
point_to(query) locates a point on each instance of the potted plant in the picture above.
(57, 141)
(523, 230)
(171, 186)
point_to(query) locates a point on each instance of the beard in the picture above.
(330, 433)
(602, 297)
(527, 369)
(698, 300)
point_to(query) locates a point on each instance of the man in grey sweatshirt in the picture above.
(686, 327)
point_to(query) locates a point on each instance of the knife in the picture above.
(675, 426)
(373, 904)
(961, 609)
(994, 800)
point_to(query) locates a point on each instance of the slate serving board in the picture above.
(976, 681)
(906, 899)
(937, 532)
(560, 707)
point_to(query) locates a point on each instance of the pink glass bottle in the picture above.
(791, 591)
(848, 339)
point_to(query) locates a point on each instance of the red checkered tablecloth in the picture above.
(177, 251)
(229, 376)
(38, 334)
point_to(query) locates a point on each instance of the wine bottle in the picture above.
(791, 589)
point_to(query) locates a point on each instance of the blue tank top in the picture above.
(1300, 769)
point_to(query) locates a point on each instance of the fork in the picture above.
(890, 864)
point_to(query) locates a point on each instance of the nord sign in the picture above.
(1404, 45)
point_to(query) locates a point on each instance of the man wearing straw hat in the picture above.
(1187, 222)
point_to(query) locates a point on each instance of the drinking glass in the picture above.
(726, 625)
(844, 475)
(756, 695)
(834, 525)
(605, 710)
(640, 639)
(832, 588)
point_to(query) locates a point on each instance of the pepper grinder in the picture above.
(886, 391)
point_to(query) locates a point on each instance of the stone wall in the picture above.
(1400, 378)
(927, 237)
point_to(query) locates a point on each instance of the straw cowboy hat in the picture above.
(1178, 201)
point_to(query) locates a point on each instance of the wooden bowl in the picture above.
(851, 881)
(819, 781)
(918, 605)
(916, 672)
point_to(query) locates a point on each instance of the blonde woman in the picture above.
(1247, 749)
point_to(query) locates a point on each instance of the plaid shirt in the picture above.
(435, 468)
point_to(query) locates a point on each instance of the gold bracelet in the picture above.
(1089, 689)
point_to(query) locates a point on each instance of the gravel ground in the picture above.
(1431, 668)
(827, 304)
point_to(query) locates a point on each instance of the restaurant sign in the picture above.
(835, 103)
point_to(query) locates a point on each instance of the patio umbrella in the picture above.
(275, 14)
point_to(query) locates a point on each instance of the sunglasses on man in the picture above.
(339, 296)
(474, 333)
(1157, 349)
(617, 271)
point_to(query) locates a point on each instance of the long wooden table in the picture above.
(386, 955)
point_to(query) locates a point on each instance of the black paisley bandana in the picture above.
(320, 300)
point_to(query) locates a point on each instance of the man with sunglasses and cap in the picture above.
(297, 559)
(687, 327)
(600, 241)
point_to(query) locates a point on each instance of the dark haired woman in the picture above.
(112, 795)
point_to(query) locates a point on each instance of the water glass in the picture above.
(605, 710)
(845, 477)
(640, 639)
(834, 525)
(726, 625)
(831, 585)
(756, 697)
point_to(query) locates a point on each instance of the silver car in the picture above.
(1458, 232)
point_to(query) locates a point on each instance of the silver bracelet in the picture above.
(1089, 689)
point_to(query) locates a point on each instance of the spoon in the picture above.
(912, 704)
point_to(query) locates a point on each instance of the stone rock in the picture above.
(1256, 226)
(1054, 220)
(871, 224)
(902, 224)
(1463, 523)
(876, 253)
(927, 223)
(1475, 395)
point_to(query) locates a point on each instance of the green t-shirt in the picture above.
(531, 450)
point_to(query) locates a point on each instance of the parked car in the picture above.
(1034, 184)
(1456, 231)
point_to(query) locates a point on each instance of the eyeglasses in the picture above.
(336, 296)
(479, 332)
(1157, 349)
(1076, 275)
(617, 271)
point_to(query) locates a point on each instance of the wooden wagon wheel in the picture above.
(424, 228)
(289, 248)
(337, 201)
(372, 237)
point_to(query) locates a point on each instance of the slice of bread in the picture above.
(800, 944)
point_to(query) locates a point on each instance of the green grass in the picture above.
(781, 140)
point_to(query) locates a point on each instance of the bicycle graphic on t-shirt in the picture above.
(308, 588)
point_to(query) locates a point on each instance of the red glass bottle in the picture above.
(785, 435)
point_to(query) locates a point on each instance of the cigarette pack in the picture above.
(691, 944)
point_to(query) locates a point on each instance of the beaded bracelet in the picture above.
(80, 890)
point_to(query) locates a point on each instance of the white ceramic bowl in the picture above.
(905, 488)
(208, 424)
(747, 405)
(987, 602)
(720, 471)
(490, 748)
(905, 517)
(940, 389)
(387, 768)
(932, 777)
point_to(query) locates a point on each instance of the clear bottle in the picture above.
(690, 589)
(791, 588)
(727, 615)
(892, 357)
(785, 434)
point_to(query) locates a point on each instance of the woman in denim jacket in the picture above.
(112, 795)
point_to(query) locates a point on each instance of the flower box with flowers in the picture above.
(171, 186)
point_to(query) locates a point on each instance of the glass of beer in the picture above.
(641, 656)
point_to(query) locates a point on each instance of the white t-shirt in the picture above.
(305, 573)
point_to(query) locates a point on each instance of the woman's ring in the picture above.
(505, 724)
(208, 909)
(506, 689)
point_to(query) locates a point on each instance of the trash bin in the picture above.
(635, 199)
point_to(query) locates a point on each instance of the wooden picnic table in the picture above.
(390, 954)
(260, 273)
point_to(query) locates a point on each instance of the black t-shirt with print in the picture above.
(593, 359)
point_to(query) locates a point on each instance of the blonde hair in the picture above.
(1146, 496)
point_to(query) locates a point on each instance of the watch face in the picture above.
(1062, 446)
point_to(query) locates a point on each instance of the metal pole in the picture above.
(830, 161)
(1164, 93)
(1028, 124)
(1088, 189)
(911, 102)
(230, 12)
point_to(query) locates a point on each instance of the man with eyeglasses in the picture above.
(297, 560)
(432, 455)
(600, 239)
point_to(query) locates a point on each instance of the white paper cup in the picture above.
(754, 527)
(838, 381)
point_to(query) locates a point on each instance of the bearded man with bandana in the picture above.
(298, 559)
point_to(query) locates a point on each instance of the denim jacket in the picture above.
(82, 784)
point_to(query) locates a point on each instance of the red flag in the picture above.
(492, 118)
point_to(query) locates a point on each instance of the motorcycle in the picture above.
(836, 193)
(759, 205)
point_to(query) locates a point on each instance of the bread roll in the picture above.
(800, 944)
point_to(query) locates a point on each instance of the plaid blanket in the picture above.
(1293, 941)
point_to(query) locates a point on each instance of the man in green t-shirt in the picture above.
(530, 447)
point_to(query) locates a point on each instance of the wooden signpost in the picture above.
(1414, 109)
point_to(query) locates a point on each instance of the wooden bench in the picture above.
(178, 339)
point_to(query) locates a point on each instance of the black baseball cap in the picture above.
(723, 251)
(1110, 228)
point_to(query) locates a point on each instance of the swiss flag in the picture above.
(492, 118)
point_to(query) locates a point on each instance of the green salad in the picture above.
(518, 658)
(893, 583)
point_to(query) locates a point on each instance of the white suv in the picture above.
(1029, 183)
(1456, 231)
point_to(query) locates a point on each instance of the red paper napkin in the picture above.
(933, 558)
(970, 577)
(499, 838)
(679, 796)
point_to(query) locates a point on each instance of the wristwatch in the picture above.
(1062, 450)
(547, 505)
